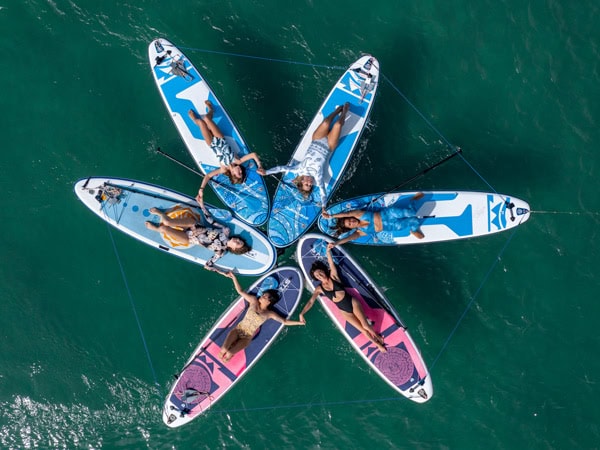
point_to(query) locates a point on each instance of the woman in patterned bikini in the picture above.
(257, 313)
(213, 235)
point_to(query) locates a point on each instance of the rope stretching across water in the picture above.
(467, 308)
(134, 309)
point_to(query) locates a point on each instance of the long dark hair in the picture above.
(318, 265)
(243, 249)
(339, 227)
(273, 296)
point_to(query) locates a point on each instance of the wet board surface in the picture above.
(441, 216)
(402, 366)
(292, 214)
(205, 378)
(126, 204)
(183, 88)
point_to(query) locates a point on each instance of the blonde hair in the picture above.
(298, 183)
(233, 179)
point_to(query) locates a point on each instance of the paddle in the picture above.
(182, 164)
(420, 174)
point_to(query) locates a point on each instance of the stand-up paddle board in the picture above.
(439, 216)
(126, 204)
(292, 214)
(402, 366)
(183, 89)
(205, 378)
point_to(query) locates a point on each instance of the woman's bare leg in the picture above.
(362, 317)
(177, 235)
(207, 135)
(182, 222)
(333, 138)
(238, 345)
(356, 324)
(232, 336)
(208, 120)
(323, 129)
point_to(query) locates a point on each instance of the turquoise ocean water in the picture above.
(515, 84)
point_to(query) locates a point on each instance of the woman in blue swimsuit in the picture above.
(331, 287)
(372, 222)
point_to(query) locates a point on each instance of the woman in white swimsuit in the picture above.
(309, 172)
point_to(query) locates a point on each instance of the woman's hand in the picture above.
(200, 197)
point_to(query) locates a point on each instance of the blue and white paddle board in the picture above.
(183, 88)
(442, 216)
(292, 215)
(401, 366)
(205, 378)
(126, 204)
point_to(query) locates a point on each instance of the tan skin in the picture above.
(234, 342)
(333, 139)
(169, 227)
(209, 129)
(352, 219)
(357, 317)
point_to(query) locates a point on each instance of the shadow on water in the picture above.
(506, 162)
(436, 287)
(275, 103)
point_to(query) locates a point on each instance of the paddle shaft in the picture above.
(182, 164)
(420, 174)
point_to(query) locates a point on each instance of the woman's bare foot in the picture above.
(417, 196)
(418, 234)
(345, 108)
(152, 226)
(159, 213)
(209, 109)
(381, 347)
(193, 115)
(376, 336)
(344, 112)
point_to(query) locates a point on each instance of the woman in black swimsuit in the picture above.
(332, 288)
